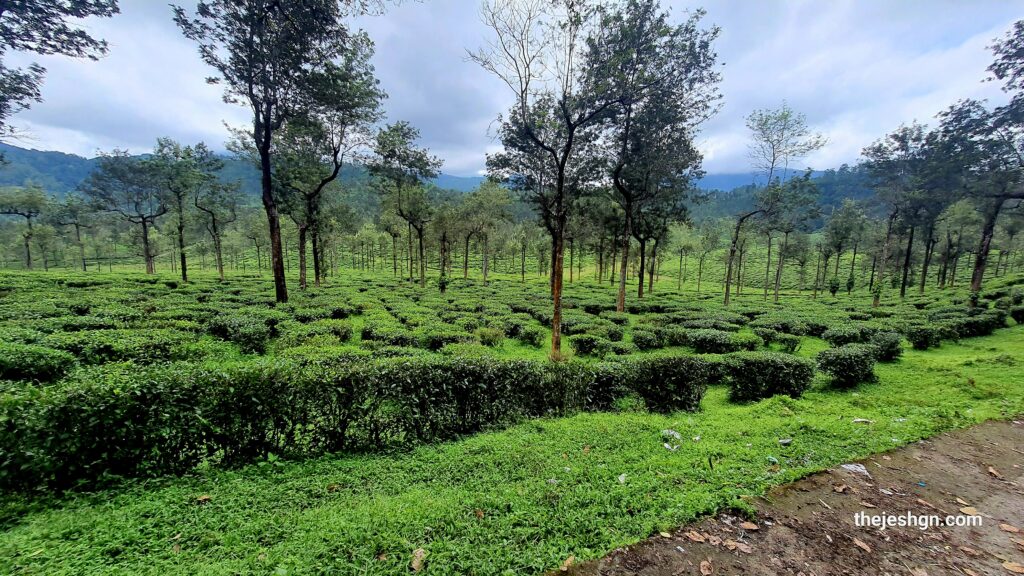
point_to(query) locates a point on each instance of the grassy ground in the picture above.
(511, 502)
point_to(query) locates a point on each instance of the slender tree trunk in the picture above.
(302, 257)
(700, 271)
(485, 247)
(522, 264)
(570, 259)
(874, 261)
(767, 267)
(422, 258)
(465, 258)
(181, 242)
(653, 266)
(929, 246)
(627, 232)
(817, 275)
(778, 267)
(906, 262)
(81, 246)
(679, 287)
(642, 255)
(317, 249)
(877, 297)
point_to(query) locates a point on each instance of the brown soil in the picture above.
(807, 527)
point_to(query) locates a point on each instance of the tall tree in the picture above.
(74, 211)
(798, 208)
(401, 168)
(184, 171)
(129, 186)
(27, 202)
(665, 85)
(549, 56)
(43, 27)
(778, 137)
(219, 204)
(894, 165)
(272, 56)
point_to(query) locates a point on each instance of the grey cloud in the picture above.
(856, 69)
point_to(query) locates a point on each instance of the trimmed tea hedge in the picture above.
(756, 375)
(849, 365)
(126, 420)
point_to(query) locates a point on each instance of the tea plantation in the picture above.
(148, 426)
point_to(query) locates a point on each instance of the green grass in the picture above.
(546, 489)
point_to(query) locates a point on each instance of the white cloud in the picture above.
(857, 69)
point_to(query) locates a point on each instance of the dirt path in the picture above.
(808, 528)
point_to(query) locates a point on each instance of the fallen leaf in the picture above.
(995, 473)
(586, 449)
(969, 510)
(840, 488)
(926, 503)
(479, 513)
(962, 502)
(863, 421)
(665, 534)
(745, 548)
(1018, 541)
(1009, 528)
(749, 526)
(622, 478)
(705, 568)
(204, 498)
(418, 556)
(695, 536)
(383, 556)
(970, 551)
(886, 457)
(862, 545)
(176, 548)
(714, 540)
(1011, 566)
(867, 504)
(970, 572)
(918, 572)
(730, 544)
(333, 487)
(568, 563)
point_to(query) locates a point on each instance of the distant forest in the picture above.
(725, 194)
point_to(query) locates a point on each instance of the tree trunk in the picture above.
(642, 254)
(853, 264)
(147, 249)
(985, 244)
(778, 267)
(465, 258)
(411, 273)
(485, 259)
(906, 262)
(929, 246)
(522, 264)
(556, 317)
(181, 242)
(302, 257)
(877, 297)
(767, 267)
(653, 266)
(422, 258)
(273, 221)
(700, 271)
(627, 232)
(817, 276)
(679, 287)
(732, 257)
(317, 249)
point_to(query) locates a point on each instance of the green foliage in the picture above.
(849, 364)
(30, 362)
(888, 346)
(490, 336)
(756, 375)
(250, 333)
(588, 345)
(923, 337)
(844, 334)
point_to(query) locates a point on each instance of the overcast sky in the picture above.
(857, 69)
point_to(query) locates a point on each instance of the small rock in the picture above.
(785, 441)
(622, 478)
(863, 421)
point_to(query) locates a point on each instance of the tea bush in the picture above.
(849, 365)
(756, 375)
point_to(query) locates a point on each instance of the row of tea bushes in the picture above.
(129, 420)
